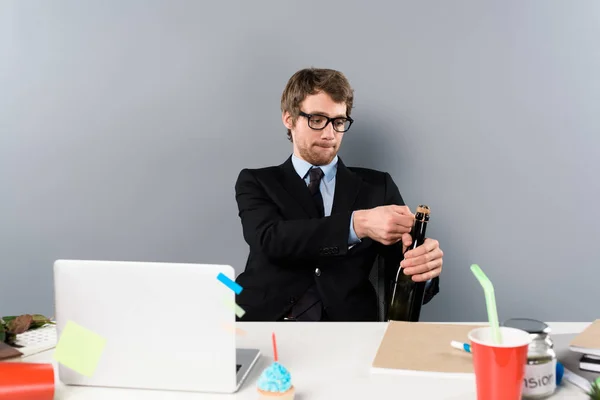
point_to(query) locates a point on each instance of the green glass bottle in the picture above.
(407, 295)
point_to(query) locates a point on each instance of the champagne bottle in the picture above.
(407, 295)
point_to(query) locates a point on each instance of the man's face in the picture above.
(317, 147)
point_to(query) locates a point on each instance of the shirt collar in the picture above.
(302, 167)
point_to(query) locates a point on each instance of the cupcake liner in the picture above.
(287, 395)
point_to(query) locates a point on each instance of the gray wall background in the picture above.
(124, 124)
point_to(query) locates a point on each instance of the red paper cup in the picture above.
(499, 368)
(26, 381)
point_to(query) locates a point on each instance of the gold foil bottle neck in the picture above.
(423, 209)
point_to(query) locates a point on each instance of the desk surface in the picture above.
(327, 361)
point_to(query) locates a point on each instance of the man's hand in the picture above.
(384, 224)
(424, 262)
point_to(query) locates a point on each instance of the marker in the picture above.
(461, 346)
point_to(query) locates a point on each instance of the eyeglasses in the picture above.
(319, 122)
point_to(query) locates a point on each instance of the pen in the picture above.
(461, 346)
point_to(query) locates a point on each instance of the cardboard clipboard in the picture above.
(419, 348)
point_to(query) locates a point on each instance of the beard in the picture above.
(317, 155)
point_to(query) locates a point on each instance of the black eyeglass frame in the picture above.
(332, 120)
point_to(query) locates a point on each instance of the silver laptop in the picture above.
(167, 326)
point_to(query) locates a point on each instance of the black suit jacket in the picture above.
(289, 242)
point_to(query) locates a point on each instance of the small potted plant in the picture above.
(12, 326)
(595, 392)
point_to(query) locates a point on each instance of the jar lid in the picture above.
(528, 325)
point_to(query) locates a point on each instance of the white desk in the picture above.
(328, 361)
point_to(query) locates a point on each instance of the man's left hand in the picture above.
(424, 262)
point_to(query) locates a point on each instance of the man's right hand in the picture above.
(384, 224)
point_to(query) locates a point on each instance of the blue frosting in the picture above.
(275, 378)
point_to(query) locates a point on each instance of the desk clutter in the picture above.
(25, 335)
(23, 380)
(30, 343)
(571, 362)
(431, 349)
(587, 343)
(509, 361)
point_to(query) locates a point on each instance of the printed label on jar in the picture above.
(540, 379)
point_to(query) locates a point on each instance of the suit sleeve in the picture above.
(392, 255)
(264, 227)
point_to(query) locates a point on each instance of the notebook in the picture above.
(588, 341)
(589, 363)
(420, 348)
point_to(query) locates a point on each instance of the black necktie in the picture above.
(315, 179)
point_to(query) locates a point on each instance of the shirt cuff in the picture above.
(352, 237)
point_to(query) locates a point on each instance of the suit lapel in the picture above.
(347, 186)
(297, 188)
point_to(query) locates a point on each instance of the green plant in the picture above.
(595, 392)
(11, 326)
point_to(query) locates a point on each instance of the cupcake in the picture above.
(275, 383)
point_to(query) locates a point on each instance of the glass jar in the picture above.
(540, 371)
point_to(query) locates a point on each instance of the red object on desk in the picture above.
(274, 347)
(26, 381)
(499, 368)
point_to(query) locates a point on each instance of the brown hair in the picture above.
(310, 81)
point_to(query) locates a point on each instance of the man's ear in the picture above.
(287, 119)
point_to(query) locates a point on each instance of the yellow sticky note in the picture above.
(79, 349)
(239, 311)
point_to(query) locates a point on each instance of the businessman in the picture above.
(315, 226)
